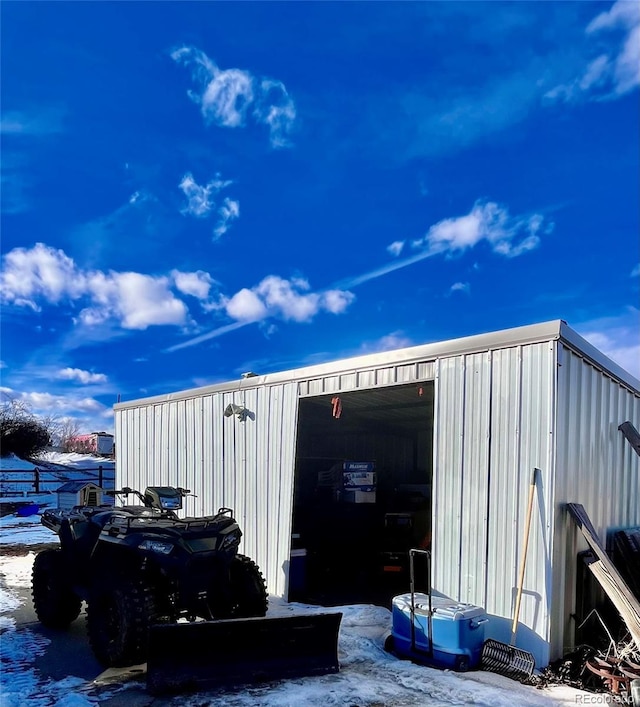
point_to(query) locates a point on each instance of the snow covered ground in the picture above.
(65, 460)
(368, 676)
(54, 468)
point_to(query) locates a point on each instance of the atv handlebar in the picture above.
(126, 490)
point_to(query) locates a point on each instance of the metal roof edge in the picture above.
(531, 333)
(577, 342)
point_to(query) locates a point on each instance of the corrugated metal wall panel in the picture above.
(406, 374)
(348, 381)
(447, 476)
(537, 449)
(263, 481)
(247, 466)
(593, 459)
(475, 478)
(250, 521)
(367, 379)
(502, 551)
(386, 376)
(494, 419)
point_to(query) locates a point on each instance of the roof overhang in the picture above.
(534, 333)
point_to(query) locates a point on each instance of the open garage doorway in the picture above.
(362, 495)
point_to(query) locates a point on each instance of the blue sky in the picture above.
(195, 190)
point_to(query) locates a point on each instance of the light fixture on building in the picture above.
(240, 411)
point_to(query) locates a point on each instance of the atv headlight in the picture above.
(156, 546)
(229, 541)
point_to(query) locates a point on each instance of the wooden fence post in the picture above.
(36, 479)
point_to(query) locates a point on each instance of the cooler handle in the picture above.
(476, 624)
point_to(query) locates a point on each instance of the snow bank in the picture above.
(13, 462)
(75, 459)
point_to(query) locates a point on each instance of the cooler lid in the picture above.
(456, 611)
(443, 607)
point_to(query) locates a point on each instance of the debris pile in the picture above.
(587, 668)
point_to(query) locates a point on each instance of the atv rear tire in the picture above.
(118, 620)
(55, 603)
(248, 588)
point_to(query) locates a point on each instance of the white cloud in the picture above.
(197, 284)
(39, 272)
(228, 212)
(274, 296)
(136, 301)
(460, 287)
(77, 374)
(286, 299)
(618, 337)
(336, 301)
(615, 72)
(139, 197)
(276, 109)
(487, 221)
(390, 342)
(201, 202)
(225, 96)
(199, 198)
(395, 248)
(636, 271)
(246, 306)
(55, 404)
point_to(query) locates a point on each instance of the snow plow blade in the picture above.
(207, 654)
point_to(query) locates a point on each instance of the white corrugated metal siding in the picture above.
(247, 466)
(494, 424)
(595, 466)
(502, 406)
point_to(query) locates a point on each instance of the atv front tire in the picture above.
(118, 620)
(248, 588)
(55, 603)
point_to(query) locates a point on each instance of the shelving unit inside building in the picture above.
(335, 471)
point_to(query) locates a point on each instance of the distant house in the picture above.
(79, 493)
(92, 443)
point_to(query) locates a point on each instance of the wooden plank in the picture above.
(607, 574)
(610, 585)
(632, 435)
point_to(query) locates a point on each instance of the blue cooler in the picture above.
(458, 631)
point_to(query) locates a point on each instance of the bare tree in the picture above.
(68, 429)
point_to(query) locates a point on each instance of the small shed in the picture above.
(78, 493)
(445, 436)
